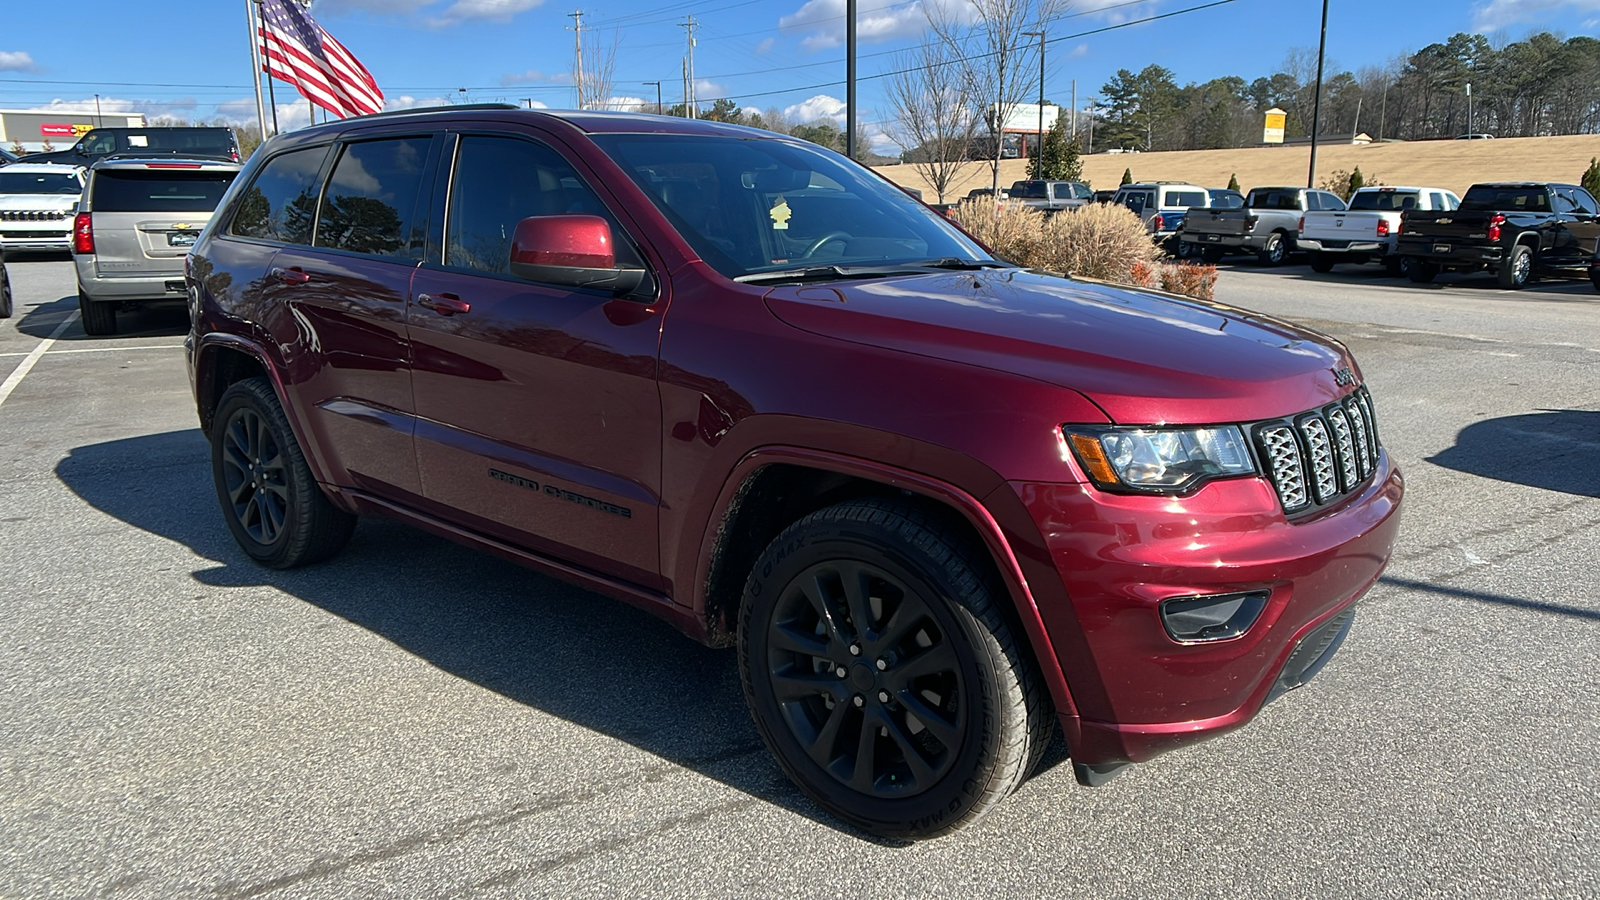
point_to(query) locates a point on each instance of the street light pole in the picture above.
(1038, 160)
(658, 93)
(1469, 109)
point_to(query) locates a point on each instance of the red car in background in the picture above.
(942, 505)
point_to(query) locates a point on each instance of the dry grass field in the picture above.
(1448, 164)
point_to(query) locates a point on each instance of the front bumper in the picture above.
(1136, 691)
(13, 239)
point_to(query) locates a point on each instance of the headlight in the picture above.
(1160, 460)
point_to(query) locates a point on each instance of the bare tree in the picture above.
(593, 68)
(998, 63)
(931, 114)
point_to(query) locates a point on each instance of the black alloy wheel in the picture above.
(273, 505)
(881, 675)
(6, 307)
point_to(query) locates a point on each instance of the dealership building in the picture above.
(31, 128)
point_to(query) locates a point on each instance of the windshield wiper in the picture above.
(827, 273)
(952, 262)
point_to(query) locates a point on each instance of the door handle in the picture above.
(291, 275)
(444, 304)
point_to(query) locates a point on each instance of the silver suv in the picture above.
(136, 221)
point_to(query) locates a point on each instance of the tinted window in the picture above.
(281, 203)
(1271, 199)
(501, 181)
(1437, 201)
(1508, 199)
(1584, 202)
(156, 190)
(98, 143)
(1388, 201)
(751, 205)
(198, 140)
(368, 204)
(1330, 201)
(1028, 190)
(40, 183)
(1186, 198)
(1563, 202)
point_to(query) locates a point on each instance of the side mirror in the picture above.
(575, 251)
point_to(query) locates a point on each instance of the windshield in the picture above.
(1385, 200)
(1510, 199)
(750, 205)
(39, 183)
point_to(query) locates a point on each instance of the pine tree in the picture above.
(1591, 177)
(1127, 176)
(1059, 160)
(1233, 182)
(1357, 182)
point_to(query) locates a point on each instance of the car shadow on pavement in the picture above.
(585, 658)
(1553, 449)
(165, 318)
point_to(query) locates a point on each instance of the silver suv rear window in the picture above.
(158, 190)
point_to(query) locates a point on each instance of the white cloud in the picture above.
(821, 106)
(629, 104)
(1083, 50)
(183, 108)
(487, 10)
(824, 20)
(1487, 15)
(384, 7)
(706, 91)
(19, 61)
(534, 76)
(766, 45)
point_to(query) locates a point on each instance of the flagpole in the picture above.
(255, 61)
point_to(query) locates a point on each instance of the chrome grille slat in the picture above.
(1320, 456)
(1345, 446)
(1319, 450)
(1283, 461)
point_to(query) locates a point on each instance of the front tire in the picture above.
(1594, 277)
(99, 319)
(1274, 251)
(1517, 269)
(881, 673)
(274, 507)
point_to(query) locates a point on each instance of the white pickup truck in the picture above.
(1369, 229)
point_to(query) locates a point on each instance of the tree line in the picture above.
(1542, 85)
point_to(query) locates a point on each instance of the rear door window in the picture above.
(281, 203)
(371, 199)
(158, 190)
(1186, 199)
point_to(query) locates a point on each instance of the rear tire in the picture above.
(939, 714)
(1274, 251)
(1210, 256)
(1394, 266)
(1321, 263)
(1419, 271)
(1594, 277)
(274, 507)
(6, 308)
(1517, 269)
(98, 318)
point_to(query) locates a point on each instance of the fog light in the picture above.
(1218, 617)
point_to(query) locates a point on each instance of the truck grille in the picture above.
(34, 215)
(1319, 457)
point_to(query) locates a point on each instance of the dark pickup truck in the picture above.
(1518, 231)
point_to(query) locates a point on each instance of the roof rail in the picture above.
(455, 106)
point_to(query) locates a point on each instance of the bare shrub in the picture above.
(1199, 282)
(1099, 241)
(1014, 232)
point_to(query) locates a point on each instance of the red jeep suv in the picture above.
(941, 504)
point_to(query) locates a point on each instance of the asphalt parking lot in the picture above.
(415, 719)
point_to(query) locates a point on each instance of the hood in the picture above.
(1144, 357)
(38, 201)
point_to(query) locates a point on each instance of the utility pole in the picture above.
(1074, 109)
(850, 78)
(658, 93)
(691, 104)
(1316, 106)
(577, 51)
(1469, 108)
(527, 102)
(1038, 158)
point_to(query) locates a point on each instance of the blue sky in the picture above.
(762, 53)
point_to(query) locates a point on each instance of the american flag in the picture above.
(294, 48)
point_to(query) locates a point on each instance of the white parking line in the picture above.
(16, 377)
(103, 350)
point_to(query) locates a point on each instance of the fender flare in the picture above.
(969, 506)
(204, 371)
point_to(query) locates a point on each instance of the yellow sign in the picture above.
(1273, 134)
